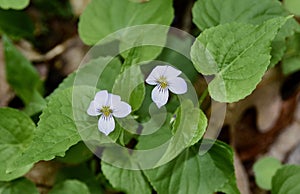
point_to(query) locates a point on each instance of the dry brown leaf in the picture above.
(263, 109)
(266, 99)
(78, 6)
(73, 55)
(294, 155)
(69, 54)
(249, 142)
(288, 140)
(241, 176)
(43, 175)
(26, 48)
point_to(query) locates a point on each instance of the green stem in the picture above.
(129, 59)
(203, 96)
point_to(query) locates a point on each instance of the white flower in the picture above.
(108, 106)
(165, 78)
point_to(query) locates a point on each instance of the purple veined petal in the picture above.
(160, 96)
(121, 110)
(101, 98)
(177, 85)
(155, 74)
(171, 72)
(106, 124)
(93, 109)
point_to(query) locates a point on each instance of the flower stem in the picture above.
(132, 56)
(202, 97)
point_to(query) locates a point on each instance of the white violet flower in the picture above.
(108, 106)
(165, 78)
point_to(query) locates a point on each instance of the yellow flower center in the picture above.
(106, 111)
(163, 82)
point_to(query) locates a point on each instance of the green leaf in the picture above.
(179, 59)
(64, 122)
(188, 129)
(104, 17)
(209, 13)
(157, 138)
(14, 4)
(293, 6)
(100, 72)
(279, 43)
(146, 44)
(95, 25)
(76, 154)
(18, 186)
(26, 87)
(130, 181)
(16, 24)
(196, 172)
(184, 120)
(130, 86)
(291, 59)
(16, 132)
(55, 134)
(109, 75)
(230, 187)
(286, 180)
(70, 187)
(190, 126)
(264, 170)
(237, 55)
(82, 173)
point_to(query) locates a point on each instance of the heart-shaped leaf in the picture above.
(237, 55)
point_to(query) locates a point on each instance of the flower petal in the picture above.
(160, 96)
(122, 109)
(101, 98)
(155, 74)
(171, 72)
(93, 109)
(106, 124)
(177, 85)
(113, 99)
